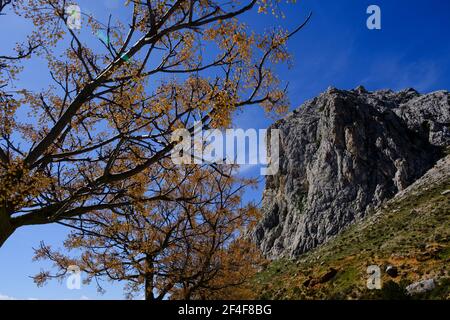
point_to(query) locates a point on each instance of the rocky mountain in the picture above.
(342, 155)
(407, 239)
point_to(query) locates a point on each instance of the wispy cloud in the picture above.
(398, 74)
(5, 297)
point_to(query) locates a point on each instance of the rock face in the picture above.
(341, 155)
(420, 287)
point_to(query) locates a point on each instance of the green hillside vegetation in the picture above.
(411, 234)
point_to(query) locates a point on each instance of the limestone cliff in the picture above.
(342, 154)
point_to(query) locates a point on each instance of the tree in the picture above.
(3, 4)
(98, 138)
(168, 249)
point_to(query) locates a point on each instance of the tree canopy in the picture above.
(92, 150)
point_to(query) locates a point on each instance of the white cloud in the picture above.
(5, 297)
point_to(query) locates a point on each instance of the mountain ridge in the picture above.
(342, 155)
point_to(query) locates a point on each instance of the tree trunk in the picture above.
(6, 228)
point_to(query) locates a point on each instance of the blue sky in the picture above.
(335, 49)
